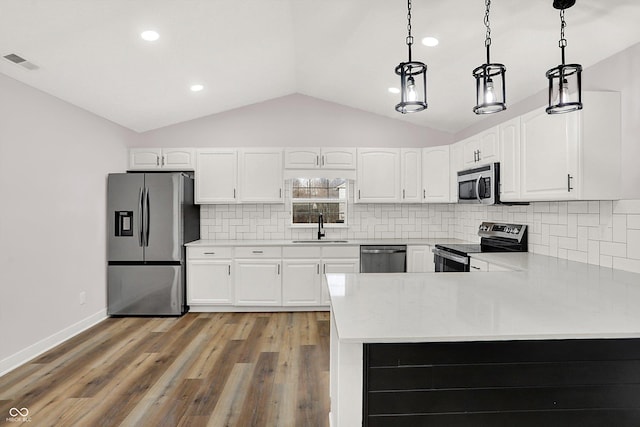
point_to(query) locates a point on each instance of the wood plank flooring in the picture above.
(203, 369)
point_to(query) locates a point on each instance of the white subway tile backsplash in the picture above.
(602, 233)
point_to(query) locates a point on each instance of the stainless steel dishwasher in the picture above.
(383, 259)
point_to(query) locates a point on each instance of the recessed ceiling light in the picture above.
(196, 88)
(394, 90)
(150, 35)
(430, 41)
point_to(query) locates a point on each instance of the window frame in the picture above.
(344, 201)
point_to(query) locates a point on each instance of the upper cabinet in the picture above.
(216, 176)
(378, 175)
(316, 158)
(509, 134)
(573, 156)
(482, 148)
(261, 178)
(436, 175)
(162, 159)
(411, 174)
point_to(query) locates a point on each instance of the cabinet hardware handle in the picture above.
(478, 155)
(424, 193)
(318, 265)
(358, 194)
(209, 253)
(256, 252)
(569, 187)
(229, 269)
(278, 269)
(157, 160)
(403, 196)
(317, 160)
(324, 269)
(281, 193)
(234, 193)
(323, 160)
(162, 162)
(475, 268)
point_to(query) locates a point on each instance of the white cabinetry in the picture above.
(482, 148)
(258, 280)
(209, 276)
(161, 159)
(411, 174)
(261, 178)
(314, 158)
(455, 165)
(420, 259)
(301, 276)
(378, 175)
(572, 156)
(343, 259)
(436, 176)
(216, 176)
(509, 133)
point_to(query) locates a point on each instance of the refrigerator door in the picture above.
(163, 217)
(145, 290)
(124, 219)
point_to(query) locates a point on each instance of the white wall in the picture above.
(294, 120)
(620, 73)
(54, 159)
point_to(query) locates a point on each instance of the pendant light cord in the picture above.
(563, 42)
(409, 36)
(487, 40)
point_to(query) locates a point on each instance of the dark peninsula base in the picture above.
(591, 382)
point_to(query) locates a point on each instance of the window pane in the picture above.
(319, 188)
(308, 213)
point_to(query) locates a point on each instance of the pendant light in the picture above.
(413, 78)
(490, 88)
(565, 82)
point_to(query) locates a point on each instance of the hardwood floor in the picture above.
(203, 369)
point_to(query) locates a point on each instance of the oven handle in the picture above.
(448, 255)
(478, 189)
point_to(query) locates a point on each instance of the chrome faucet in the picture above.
(320, 226)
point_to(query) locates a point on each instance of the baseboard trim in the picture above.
(23, 356)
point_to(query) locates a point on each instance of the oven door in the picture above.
(446, 262)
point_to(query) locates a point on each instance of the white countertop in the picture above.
(550, 298)
(332, 242)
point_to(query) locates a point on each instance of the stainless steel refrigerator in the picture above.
(150, 218)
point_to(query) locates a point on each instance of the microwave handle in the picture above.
(478, 189)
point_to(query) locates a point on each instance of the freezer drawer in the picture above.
(145, 290)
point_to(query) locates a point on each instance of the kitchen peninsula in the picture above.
(556, 343)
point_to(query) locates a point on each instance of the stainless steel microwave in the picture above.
(480, 185)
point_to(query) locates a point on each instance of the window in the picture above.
(311, 197)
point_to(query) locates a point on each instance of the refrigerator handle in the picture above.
(140, 221)
(146, 217)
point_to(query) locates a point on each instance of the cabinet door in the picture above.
(411, 174)
(216, 176)
(209, 282)
(378, 175)
(338, 158)
(258, 282)
(420, 259)
(145, 158)
(436, 178)
(351, 265)
(489, 146)
(301, 158)
(510, 160)
(261, 178)
(301, 282)
(549, 156)
(470, 148)
(456, 165)
(178, 158)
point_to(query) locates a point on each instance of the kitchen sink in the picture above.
(320, 241)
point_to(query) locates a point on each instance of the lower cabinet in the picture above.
(209, 276)
(348, 265)
(420, 259)
(258, 282)
(301, 282)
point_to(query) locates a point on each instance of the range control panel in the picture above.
(509, 231)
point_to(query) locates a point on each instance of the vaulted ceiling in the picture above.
(89, 52)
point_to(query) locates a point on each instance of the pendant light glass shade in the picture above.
(413, 87)
(565, 80)
(490, 88)
(413, 78)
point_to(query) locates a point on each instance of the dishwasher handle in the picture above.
(383, 251)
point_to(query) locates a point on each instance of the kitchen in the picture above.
(58, 208)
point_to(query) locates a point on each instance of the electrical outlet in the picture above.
(83, 297)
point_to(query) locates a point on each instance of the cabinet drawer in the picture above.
(301, 252)
(341, 252)
(208, 252)
(258, 252)
(477, 265)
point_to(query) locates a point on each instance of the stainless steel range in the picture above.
(494, 237)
